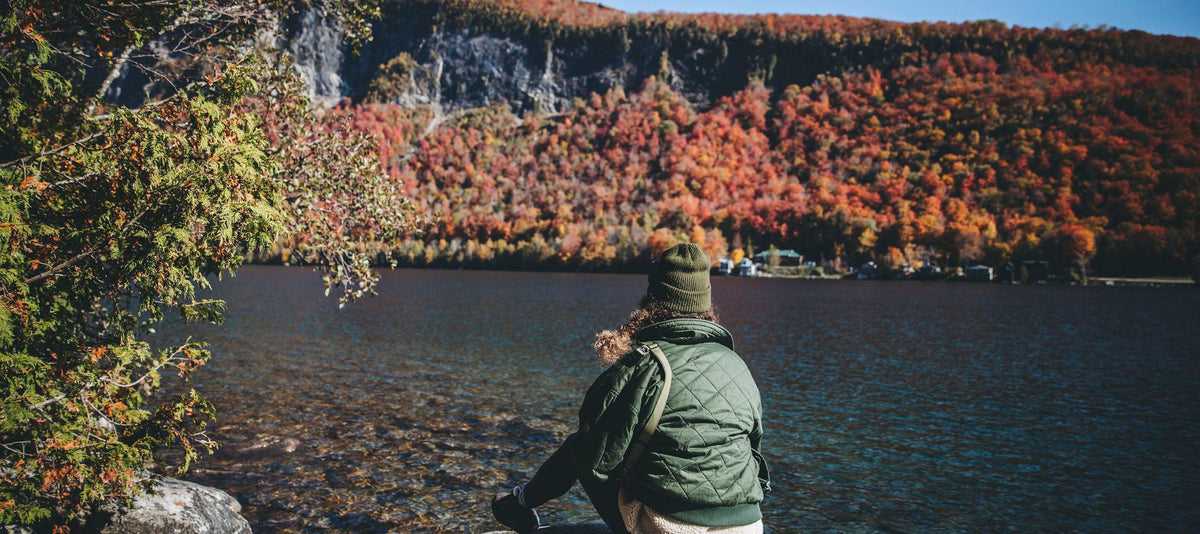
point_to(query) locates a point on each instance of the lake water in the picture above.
(889, 407)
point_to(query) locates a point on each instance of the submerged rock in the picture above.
(180, 507)
(581, 528)
(265, 446)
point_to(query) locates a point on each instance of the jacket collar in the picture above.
(686, 332)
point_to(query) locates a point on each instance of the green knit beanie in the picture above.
(679, 279)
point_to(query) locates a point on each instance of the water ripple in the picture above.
(889, 407)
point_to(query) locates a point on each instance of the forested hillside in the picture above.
(846, 139)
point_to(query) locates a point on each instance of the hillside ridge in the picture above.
(564, 135)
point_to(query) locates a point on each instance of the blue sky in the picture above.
(1174, 17)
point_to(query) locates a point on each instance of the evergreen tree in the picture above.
(111, 217)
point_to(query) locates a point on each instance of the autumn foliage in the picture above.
(112, 217)
(853, 140)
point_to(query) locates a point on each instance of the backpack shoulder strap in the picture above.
(643, 439)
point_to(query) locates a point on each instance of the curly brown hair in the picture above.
(612, 345)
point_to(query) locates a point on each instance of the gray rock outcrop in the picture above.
(454, 66)
(180, 507)
(318, 51)
(581, 528)
(460, 67)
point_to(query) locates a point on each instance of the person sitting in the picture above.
(691, 465)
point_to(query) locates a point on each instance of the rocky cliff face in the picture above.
(457, 68)
(459, 65)
(315, 43)
(456, 55)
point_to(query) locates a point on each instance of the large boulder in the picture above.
(179, 507)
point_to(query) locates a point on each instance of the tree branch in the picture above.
(47, 402)
(83, 255)
(15, 451)
(48, 153)
(112, 77)
(147, 374)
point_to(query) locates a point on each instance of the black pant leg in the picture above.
(604, 499)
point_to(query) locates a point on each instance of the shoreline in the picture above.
(1143, 282)
(1103, 281)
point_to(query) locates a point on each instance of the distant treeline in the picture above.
(854, 140)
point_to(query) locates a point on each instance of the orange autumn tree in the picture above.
(849, 140)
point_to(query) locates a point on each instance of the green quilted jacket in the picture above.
(702, 466)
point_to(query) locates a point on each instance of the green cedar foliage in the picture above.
(111, 218)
